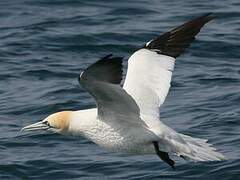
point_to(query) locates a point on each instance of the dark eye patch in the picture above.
(47, 123)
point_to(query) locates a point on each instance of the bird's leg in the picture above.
(163, 155)
(181, 156)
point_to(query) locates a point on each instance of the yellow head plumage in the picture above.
(59, 121)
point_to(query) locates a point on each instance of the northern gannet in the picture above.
(127, 118)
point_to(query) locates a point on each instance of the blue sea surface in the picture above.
(45, 44)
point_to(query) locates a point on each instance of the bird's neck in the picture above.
(82, 120)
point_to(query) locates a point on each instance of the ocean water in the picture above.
(44, 45)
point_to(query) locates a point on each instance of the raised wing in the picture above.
(102, 80)
(175, 42)
(150, 68)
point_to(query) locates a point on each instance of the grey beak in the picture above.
(36, 126)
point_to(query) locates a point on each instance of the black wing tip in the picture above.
(173, 43)
(107, 56)
(205, 18)
(198, 20)
(115, 64)
(209, 16)
(107, 69)
(112, 57)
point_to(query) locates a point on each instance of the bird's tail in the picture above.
(200, 150)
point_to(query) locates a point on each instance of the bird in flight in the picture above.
(127, 118)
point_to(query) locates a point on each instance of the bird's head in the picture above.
(57, 122)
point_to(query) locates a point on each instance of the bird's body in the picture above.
(111, 136)
(127, 119)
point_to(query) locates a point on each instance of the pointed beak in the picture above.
(36, 126)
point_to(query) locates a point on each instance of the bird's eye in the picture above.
(46, 123)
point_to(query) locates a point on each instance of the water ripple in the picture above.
(46, 44)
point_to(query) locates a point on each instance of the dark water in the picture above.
(45, 44)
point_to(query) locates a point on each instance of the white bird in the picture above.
(127, 119)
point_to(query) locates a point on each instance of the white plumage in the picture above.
(127, 119)
(148, 82)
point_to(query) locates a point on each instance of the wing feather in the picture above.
(150, 68)
(175, 42)
(114, 104)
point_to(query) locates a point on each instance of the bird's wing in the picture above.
(150, 68)
(102, 80)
